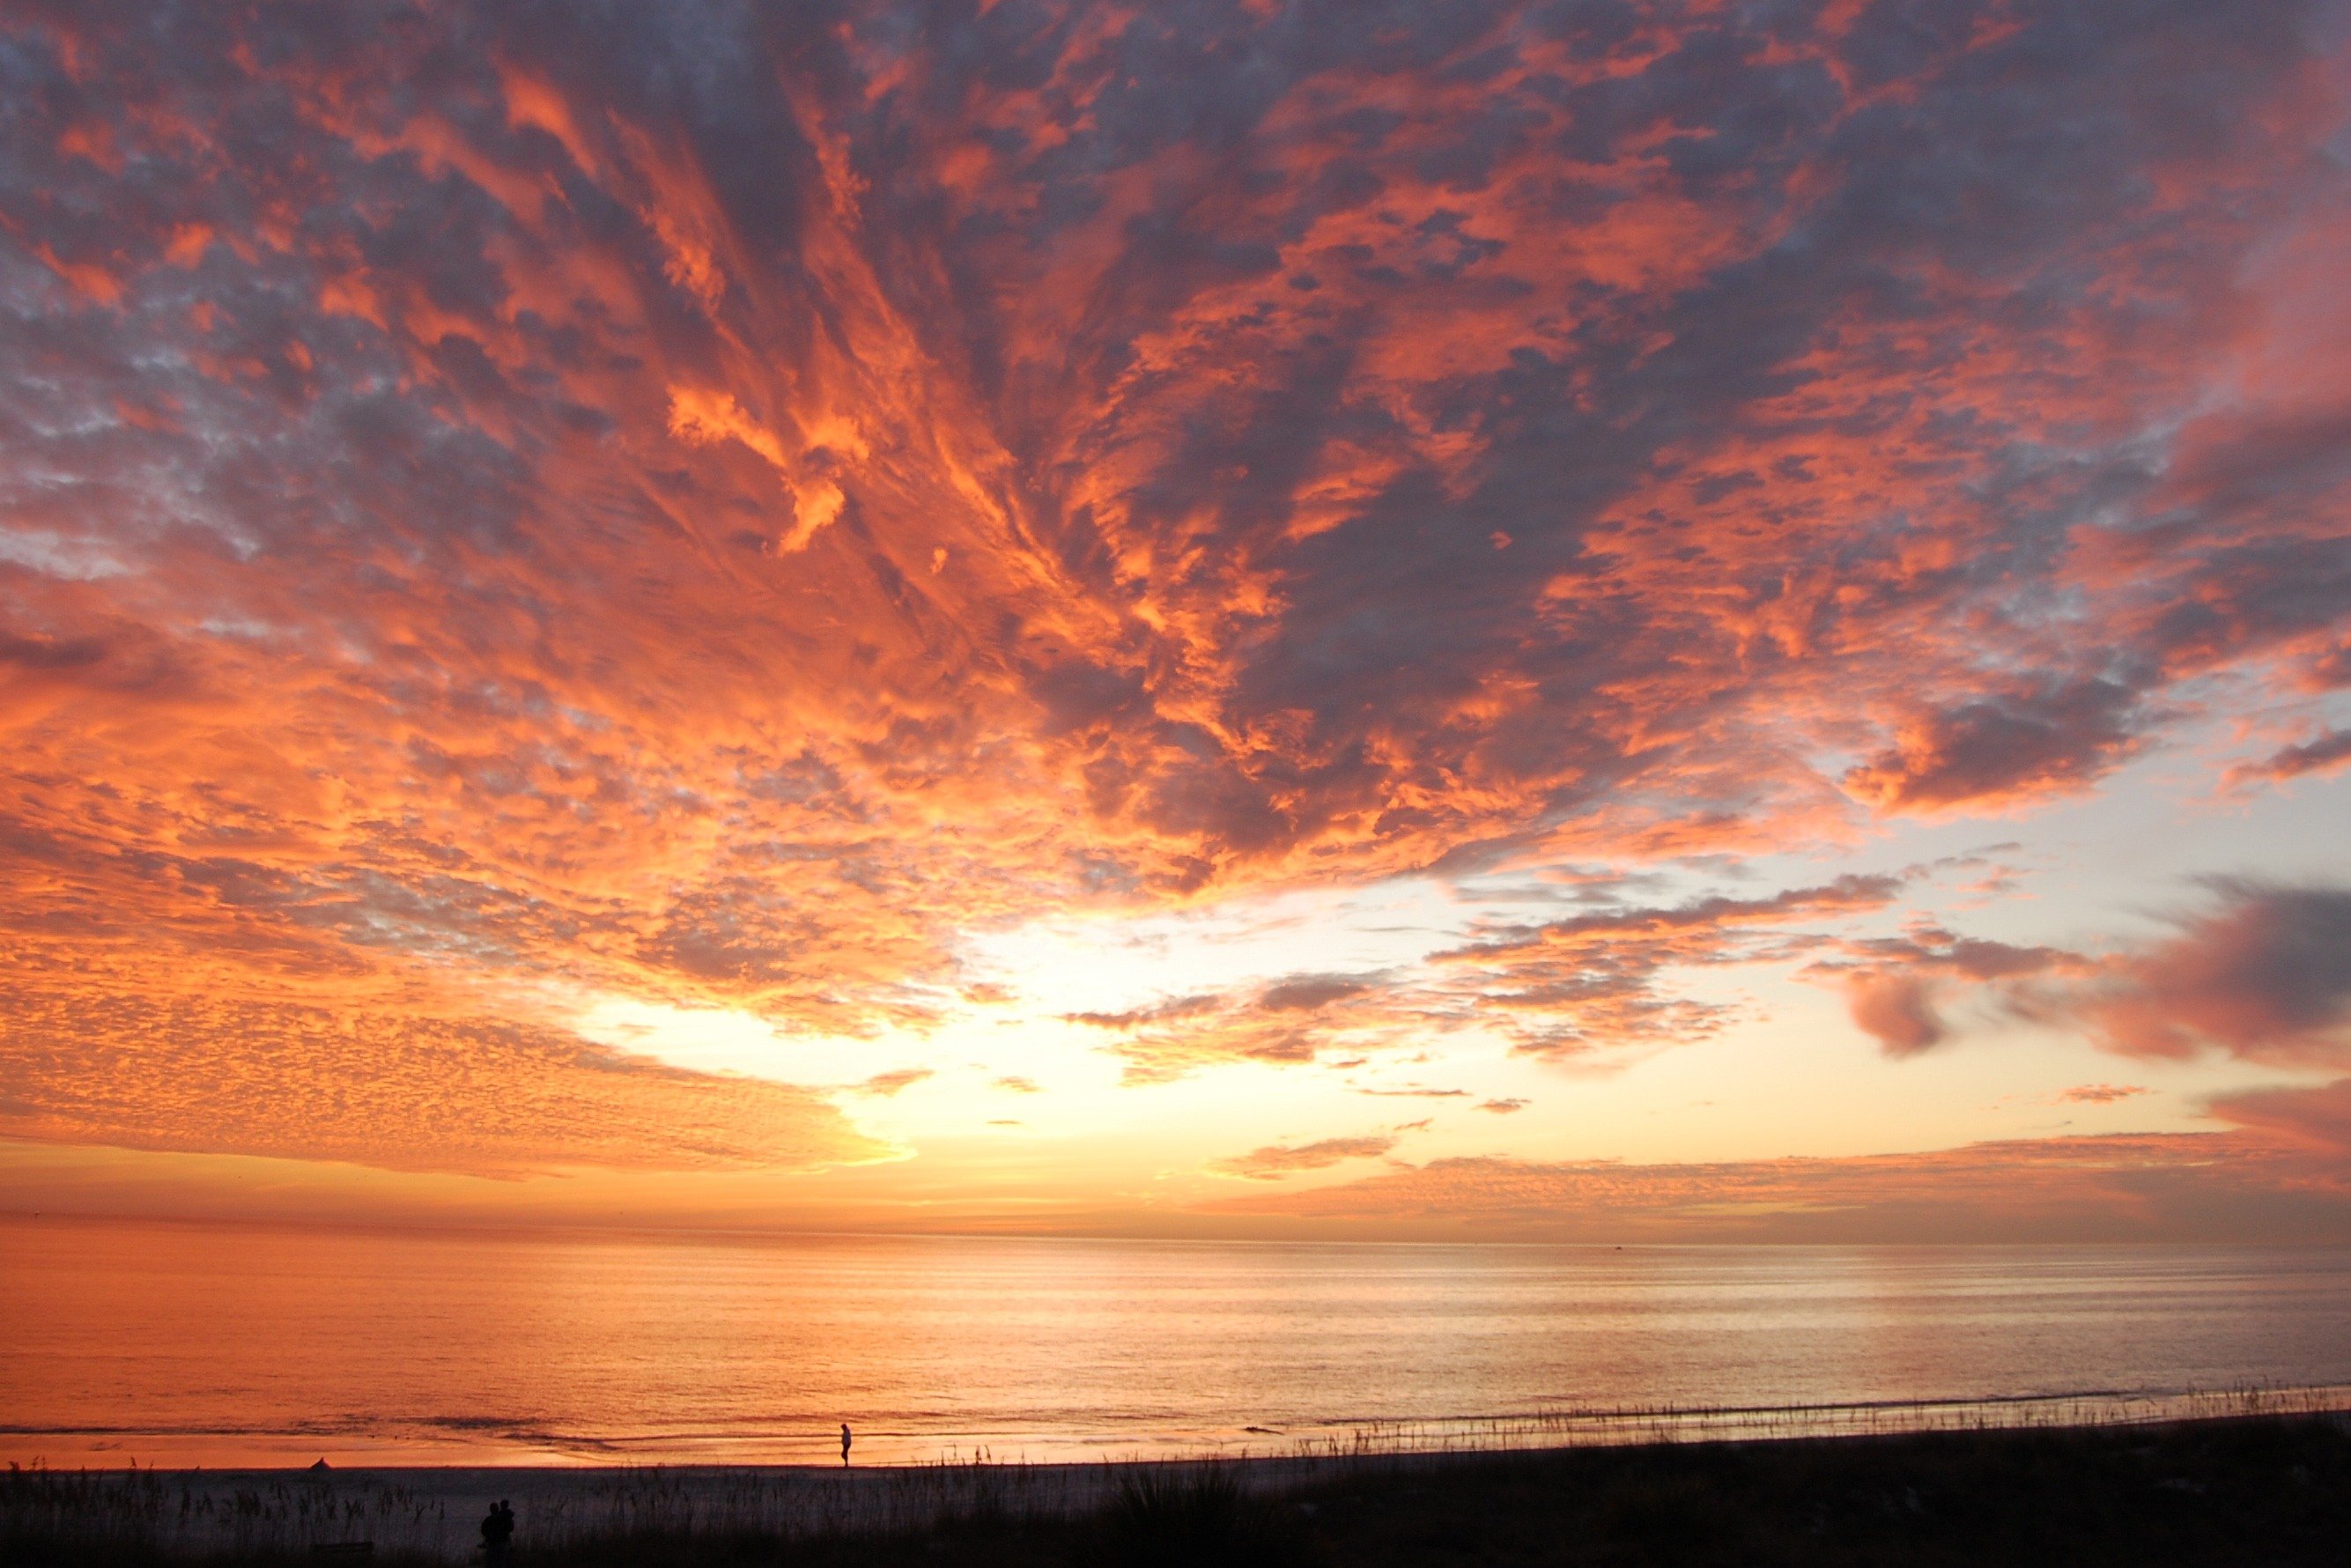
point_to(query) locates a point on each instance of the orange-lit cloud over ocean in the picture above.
(1496, 619)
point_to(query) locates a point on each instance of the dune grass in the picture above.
(2261, 1490)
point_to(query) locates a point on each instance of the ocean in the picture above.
(225, 1346)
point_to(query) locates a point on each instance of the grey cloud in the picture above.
(2327, 752)
(1985, 747)
(2258, 970)
(2262, 970)
(1304, 993)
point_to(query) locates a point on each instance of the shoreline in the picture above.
(881, 1449)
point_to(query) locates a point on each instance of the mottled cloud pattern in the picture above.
(714, 503)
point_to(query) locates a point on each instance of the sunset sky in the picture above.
(1593, 619)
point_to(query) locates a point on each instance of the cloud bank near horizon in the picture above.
(2209, 1186)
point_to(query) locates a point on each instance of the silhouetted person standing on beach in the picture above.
(844, 1445)
(498, 1532)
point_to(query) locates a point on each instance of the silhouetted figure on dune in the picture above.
(498, 1532)
(844, 1445)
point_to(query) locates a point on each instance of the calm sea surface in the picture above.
(233, 1346)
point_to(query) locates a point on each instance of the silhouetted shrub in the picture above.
(1173, 1516)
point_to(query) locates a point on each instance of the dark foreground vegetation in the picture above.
(2261, 1490)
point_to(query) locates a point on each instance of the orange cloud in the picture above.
(1275, 1161)
(890, 1083)
(704, 417)
(535, 102)
(296, 1077)
(724, 533)
(2098, 1094)
(707, 417)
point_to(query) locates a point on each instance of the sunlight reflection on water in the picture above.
(185, 1344)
